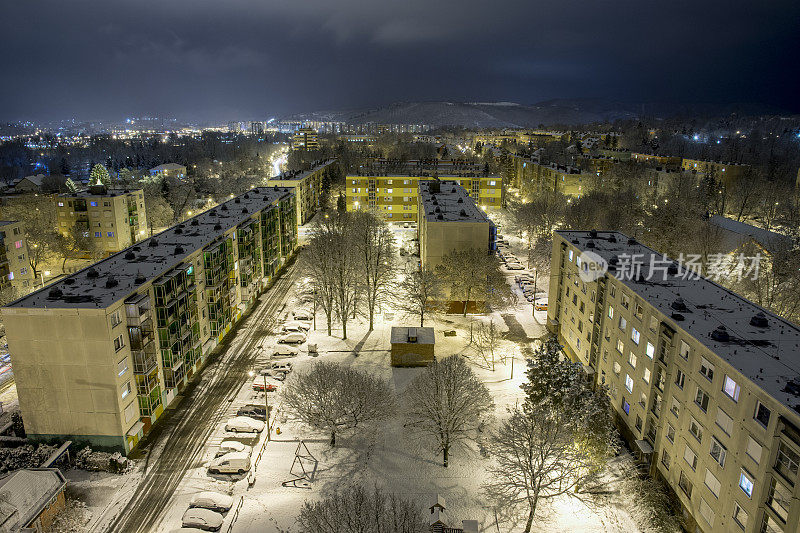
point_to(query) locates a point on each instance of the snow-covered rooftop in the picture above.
(119, 275)
(401, 335)
(762, 346)
(299, 175)
(768, 239)
(451, 203)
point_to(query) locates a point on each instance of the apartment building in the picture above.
(391, 187)
(173, 170)
(653, 160)
(725, 172)
(15, 267)
(307, 187)
(99, 355)
(305, 139)
(115, 218)
(705, 385)
(449, 220)
(533, 175)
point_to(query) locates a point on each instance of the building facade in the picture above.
(99, 355)
(305, 139)
(392, 189)
(725, 172)
(173, 170)
(114, 218)
(15, 267)
(705, 385)
(307, 187)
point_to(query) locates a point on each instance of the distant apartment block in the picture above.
(724, 172)
(15, 267)
(307, 186)
(390, 187)
(663, 161)
(705, 384)
(529, 173)
(305, 139)
(115, 218)
(173, 170)
(449, 220)
(99, 355)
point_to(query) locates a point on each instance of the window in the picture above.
(706, 512)
(724, 421)
(684, 350)
(628, 383)
(696, 429)
(610, 312)
(635, 336)
(690, 457)
(712, 483)
(685, 485)
(18, 244)
(570, 255)
(746, 483)
(126, 389)
(731, 388)
(122, 367)
(646, 376)
(612, 291)
(93, 204)
(762, 414)
(625, 300)
(701, 399)
(60, 204)
(638, 311)
(779, 498)
(97, 234)
(118, 343)
(632, 359)
(680, 379)
(653, 324)
(622, 323)
(718, 451)
(617, 368)
(130, 412)
(626, 406)
(769, 525)
(675, 408)
(740, 516)
(650, 350)
(389, 191)
(665, 459)
(620, 346)
(753, 450)
(670, 433)
(115, 319)
(787, 460)
(706, 369)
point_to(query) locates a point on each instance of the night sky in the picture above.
(214, 60)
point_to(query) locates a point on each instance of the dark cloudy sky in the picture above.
(248, 59)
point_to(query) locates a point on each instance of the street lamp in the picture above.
(266, 399)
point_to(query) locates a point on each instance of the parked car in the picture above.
(302, 314)
(231, 446)
(300, 325)
(256, 412)
(244, 424)
(290, 328)
(186, 530)
(514, 266)
(258, 385)
(214, 501)
(541, 304)
(284, 351)
(292, 338)
(282, 366)
(204, 519)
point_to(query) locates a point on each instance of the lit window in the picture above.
(646, 376)
(746, 483)
(570, 255)
(632, 359)
(126, 389)
(731, 388)
(97, 233)
(18, 244)
(626, 406)
(122, 367)
(635, 335)
(110, 233)
(617, 368)
(93, 204)
(610, 312)
(620, 346)
(650, 350)
(60, 204)
(628, 383)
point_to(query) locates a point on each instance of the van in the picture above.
(230, 463)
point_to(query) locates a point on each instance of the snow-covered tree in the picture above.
(100, 176)
(420, 293)
(336, 398)
(447, 402)
(374, 245)
(473, 275)
(353, 508)
(486, 338)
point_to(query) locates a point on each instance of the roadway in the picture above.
(177, 443)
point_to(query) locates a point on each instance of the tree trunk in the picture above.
(421, 319)
(333, 438)
(529, 523)
(446, 455)
(330, 326)
(344, 329)
(371, 318)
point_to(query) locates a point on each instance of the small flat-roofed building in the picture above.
(173, 170)
(30, 499)
(735, 234)
(412, 346)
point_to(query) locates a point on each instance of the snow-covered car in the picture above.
(230, 463)
(231, 446)
(204, 519)
(284, 351)
(281, 366)
(296, 325)
(186, 530)
(292, 338)
(244, 424)
(215, 501)
(514, 266)
(258, 385)
(257, 412)
(302, 314)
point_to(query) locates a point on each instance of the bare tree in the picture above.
(486, 338)
(318, 263)
(420, 293)
(76, 244)
(473, 275)
(535, 459)
(37, 215)
(447, 401)
(334, 398)
(355, 509)
(374, 245)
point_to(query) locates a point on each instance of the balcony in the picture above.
(144, 362)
